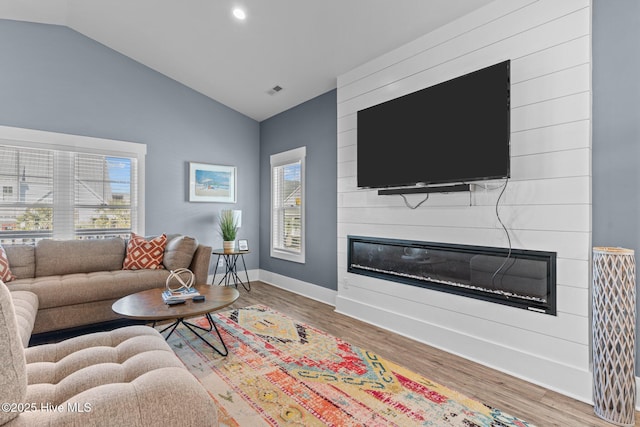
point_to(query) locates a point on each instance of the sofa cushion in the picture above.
(179, 252)
(120, 346)
(144, 254)
(13, 374)
(22, 259)
(129, 376)
(56, 257)
(5, 270)
(25, 304)
(80, 288)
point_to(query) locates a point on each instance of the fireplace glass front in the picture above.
(516, 277)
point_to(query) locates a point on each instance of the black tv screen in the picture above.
(455, 131)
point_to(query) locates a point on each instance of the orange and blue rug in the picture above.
(281, 372)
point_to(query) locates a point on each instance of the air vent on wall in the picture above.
(274, 90)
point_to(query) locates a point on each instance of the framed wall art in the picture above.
(212, 183)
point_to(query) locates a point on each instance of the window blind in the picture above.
(103, 195)
(26, 209)
(287, 213)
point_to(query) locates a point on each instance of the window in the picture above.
(287, 205)
(7, 192)
(68, 186)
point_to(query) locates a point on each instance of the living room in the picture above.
(575, 108)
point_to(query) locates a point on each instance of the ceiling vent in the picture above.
(274, 90)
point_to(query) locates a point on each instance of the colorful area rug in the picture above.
(280, 372)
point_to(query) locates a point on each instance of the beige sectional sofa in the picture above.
(126, 377)
(77, 281)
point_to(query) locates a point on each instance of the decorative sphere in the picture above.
(180, 278)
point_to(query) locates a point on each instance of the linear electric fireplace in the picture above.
(520, 278)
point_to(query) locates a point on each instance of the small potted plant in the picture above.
(228, 230)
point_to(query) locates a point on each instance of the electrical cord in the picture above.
(506, 231)
(504, 187)
(406, 202)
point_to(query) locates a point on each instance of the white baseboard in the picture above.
(568, 380)
(300, 287)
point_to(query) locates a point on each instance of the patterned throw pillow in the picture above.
(5, 271)
(144, 254)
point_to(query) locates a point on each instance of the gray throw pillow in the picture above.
(179, 252)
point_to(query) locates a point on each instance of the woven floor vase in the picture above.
(614, 324)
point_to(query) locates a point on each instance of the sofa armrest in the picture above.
(200, 263)
(26, 307)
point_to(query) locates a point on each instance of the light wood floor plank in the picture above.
(519, 398)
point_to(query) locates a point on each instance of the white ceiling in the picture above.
(301, 45)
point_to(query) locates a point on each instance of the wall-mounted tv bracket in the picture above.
(457, 188)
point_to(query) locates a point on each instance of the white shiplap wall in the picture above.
(547, 204)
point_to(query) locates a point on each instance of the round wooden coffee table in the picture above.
(148, 305)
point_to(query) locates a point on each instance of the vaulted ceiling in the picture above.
(299, 45)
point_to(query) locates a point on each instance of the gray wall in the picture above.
(55, 79)
(311, 124)
(616, 126)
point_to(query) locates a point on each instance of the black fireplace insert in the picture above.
(520, 278)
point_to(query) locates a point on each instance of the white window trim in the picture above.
(21, 137)
(280, 159)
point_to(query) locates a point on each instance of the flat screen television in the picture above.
(454, 132)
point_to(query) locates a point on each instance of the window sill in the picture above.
(288, 256)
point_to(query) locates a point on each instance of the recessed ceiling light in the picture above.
(239, 14)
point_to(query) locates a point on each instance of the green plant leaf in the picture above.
(228, 226)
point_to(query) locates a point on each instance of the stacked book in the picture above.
(182, 294)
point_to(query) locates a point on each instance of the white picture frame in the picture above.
(212, 183)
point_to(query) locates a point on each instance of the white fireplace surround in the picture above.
(546, 207)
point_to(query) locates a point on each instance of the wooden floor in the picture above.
(532, 403)
(527, 401)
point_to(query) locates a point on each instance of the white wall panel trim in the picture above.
(546, 206)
